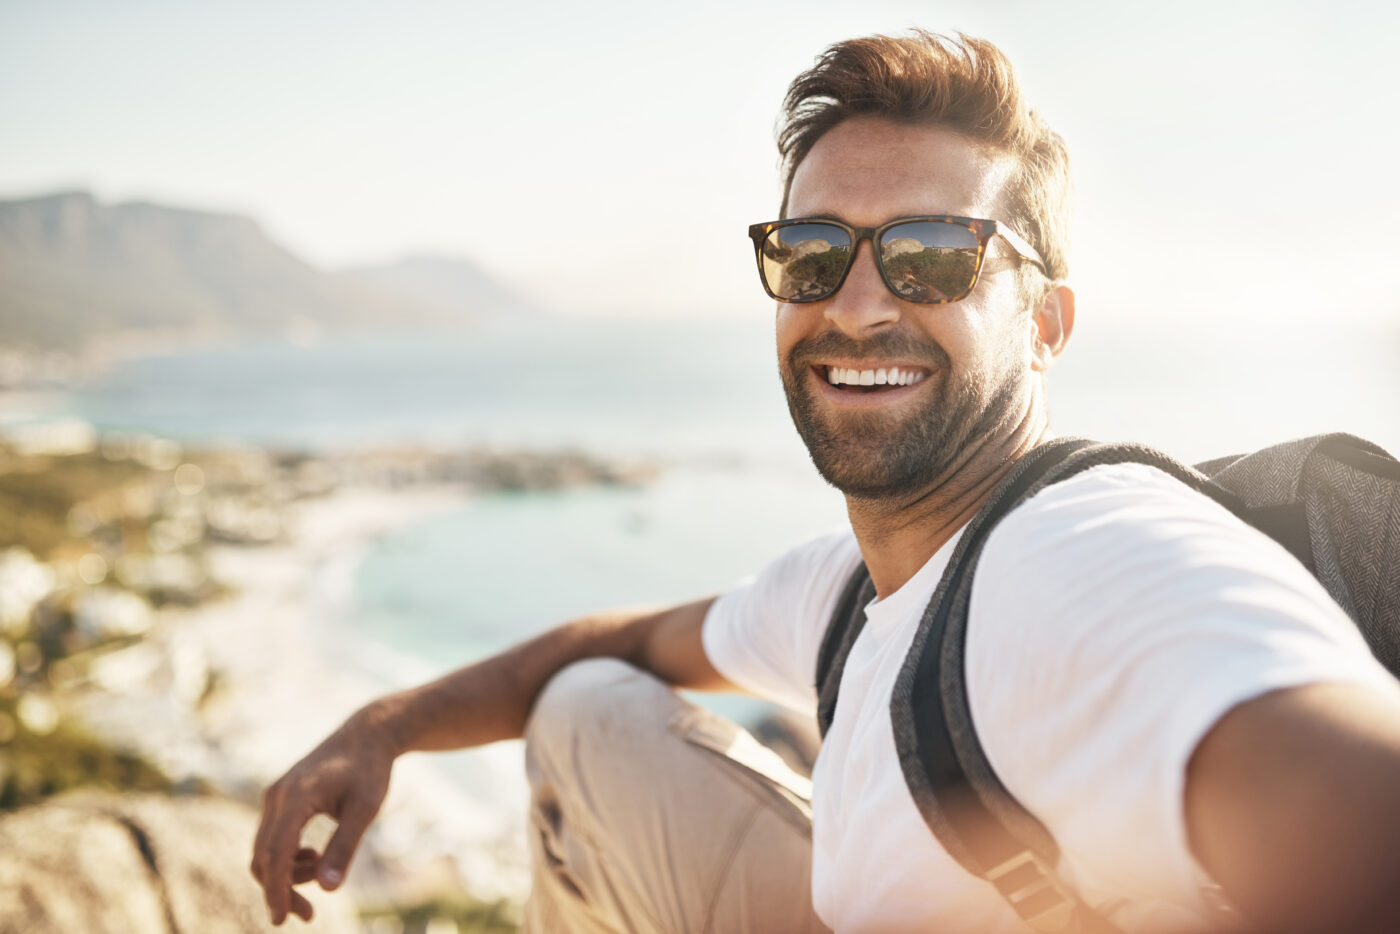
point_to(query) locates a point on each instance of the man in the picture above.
(1168, 691)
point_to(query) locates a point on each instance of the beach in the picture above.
(233, 692)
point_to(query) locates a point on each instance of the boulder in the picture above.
(139, 864)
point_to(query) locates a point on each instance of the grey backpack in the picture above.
(1331, 500)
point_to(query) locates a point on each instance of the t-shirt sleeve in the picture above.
(764, 633)
(1140, 612)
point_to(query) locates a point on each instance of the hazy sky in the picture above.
(1231, 159)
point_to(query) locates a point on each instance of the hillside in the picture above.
(74, 271)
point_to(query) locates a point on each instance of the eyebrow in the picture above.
(818, 216)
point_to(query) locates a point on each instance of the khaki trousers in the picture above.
(649, 814)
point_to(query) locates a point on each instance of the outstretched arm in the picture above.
(347, 775)
(1293, 807)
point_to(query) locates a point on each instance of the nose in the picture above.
(863, 303)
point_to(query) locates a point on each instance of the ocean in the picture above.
(702, 397)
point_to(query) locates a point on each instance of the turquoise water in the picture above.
(471, 582)
(509, 565)
(660, 387)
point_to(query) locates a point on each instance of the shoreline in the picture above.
(239, 688)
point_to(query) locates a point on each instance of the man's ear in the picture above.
(1052, 323)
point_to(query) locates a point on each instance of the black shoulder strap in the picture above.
(959, 795)
(847, 621)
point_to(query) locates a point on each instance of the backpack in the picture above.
(1332, 500)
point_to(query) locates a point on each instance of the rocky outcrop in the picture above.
(138, 864)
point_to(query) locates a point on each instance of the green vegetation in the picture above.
(945, 270)
(37, 494)
(470, 916)
(33, 766)
(819, 268)
(67, 521)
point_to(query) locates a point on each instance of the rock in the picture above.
(138, 864)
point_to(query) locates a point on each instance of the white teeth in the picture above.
(885, 376)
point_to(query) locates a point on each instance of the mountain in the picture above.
(451, 285)
(74, 271)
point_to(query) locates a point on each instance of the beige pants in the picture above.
(649, 814)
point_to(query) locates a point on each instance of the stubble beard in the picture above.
(885, 457)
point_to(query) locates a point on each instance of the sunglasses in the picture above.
(930, 259)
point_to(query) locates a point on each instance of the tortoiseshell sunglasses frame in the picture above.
(982, 228)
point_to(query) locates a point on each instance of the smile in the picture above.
(850, 377)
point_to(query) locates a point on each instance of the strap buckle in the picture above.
(1035, 892)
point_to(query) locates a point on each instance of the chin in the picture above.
(874, 456)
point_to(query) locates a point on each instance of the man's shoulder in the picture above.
(1129, 540)
(830, 552)
(1113, 500)
(802, 580)
(1126, 540)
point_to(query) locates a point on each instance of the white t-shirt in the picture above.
(1115, 617)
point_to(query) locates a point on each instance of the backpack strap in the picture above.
(959, 795)
(1333, 501)
(846, 623)
(848, 618)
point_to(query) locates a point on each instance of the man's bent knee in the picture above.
(593, 693)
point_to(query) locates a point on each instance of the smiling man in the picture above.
(1172, 695)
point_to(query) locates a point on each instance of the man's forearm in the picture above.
(491, 699)
(347, 775)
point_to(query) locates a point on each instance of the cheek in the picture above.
(1004, 331)
(788, 328)
(956, 328)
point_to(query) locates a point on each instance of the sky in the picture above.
(1233, 162)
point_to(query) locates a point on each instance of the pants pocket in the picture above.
(749, 762)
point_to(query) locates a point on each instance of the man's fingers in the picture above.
(258, 866)
(355, 817)
(262, 846)
(304, 865)
(300, 906)
(278, 847)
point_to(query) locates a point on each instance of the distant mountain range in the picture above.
(75, 272)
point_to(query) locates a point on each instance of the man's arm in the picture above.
(347, 775)
(1293, 807)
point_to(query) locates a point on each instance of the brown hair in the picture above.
(961, 83)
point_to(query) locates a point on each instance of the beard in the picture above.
(882, 456)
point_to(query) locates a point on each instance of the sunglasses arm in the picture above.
(1021, 246)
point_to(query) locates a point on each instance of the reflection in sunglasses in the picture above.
(928, 274)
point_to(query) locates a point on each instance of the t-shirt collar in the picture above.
(916, 592)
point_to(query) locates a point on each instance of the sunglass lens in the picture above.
(805, 262)
(930, 261)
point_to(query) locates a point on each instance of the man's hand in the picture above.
(345, 777)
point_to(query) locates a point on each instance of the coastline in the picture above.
(236, 690)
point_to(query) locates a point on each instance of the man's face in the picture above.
(969, 360)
